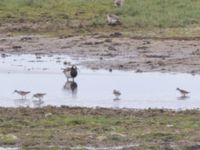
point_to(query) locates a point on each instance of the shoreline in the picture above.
(119, 53)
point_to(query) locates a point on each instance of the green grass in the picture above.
(139, 17)
(69, 127)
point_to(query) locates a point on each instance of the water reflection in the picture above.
(71, 86)
(38, 103)
(22, 102)
(116, 99)
(183, 97)
(92, 88)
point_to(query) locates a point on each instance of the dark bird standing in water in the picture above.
(71, 72)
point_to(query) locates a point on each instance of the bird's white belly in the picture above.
(68, 74)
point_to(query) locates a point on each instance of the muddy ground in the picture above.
(113, 51)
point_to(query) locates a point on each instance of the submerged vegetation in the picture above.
(138, 17)
(71, 127)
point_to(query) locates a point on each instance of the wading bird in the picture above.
(23, 94)
(117, 94)
(71, 72)
(39, 96)
(183, 92)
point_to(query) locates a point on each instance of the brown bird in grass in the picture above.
(113, 19)
(183, 92)
(23, 94)
(71, 72)
(119, 3)
(39, 96)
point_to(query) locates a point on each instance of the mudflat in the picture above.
(111, 52)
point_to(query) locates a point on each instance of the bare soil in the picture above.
(113, 51)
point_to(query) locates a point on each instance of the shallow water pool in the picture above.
(91, 88)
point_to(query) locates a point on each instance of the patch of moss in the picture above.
(8, 139)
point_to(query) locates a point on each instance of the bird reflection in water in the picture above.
(38, 103)
(71, 86)
(22, 102)
(183, 97)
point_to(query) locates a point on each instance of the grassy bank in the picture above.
(168, 18)
(71, 127)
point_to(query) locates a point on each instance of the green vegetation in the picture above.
(71, 127)
(140, 17)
